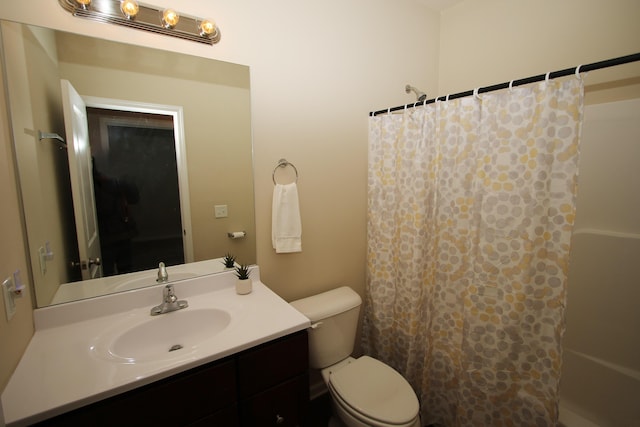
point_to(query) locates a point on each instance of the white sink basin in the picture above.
(165, 336)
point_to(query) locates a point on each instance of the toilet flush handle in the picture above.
(315, 325)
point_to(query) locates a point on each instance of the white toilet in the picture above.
(364, 392)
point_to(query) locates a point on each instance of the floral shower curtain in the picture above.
(471, 207)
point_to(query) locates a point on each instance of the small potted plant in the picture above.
(229, 261)
(243, 284)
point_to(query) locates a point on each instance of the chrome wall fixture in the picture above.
(133, 14)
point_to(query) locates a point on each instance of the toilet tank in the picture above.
(334, 321)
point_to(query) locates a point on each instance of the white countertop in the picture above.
(63, 367)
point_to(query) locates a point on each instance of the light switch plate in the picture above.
(220, 211)
(7, 293)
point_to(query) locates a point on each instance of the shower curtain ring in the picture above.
(546, 77)
(578, 76)
(511, 86)
(475, 94)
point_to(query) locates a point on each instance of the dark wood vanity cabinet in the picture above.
(267, 385)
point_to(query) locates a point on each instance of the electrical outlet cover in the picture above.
(7, 293)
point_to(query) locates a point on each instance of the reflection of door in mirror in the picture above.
(80, 171)
(137, 191)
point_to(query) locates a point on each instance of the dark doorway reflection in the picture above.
(137, 191)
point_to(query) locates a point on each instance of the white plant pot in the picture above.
(244, 287)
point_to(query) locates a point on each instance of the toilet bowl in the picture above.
(365, 392)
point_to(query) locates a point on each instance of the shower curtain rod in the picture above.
(540, 77)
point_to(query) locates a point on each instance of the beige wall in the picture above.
(493, 41)
(315, 76)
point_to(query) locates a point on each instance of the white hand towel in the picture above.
(286, 227)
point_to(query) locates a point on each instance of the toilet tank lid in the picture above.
(327, 304)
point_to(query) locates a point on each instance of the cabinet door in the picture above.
(270, 364)
(284, 405)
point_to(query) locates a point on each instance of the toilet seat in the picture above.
(375, 392)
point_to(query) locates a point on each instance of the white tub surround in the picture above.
(68, 364)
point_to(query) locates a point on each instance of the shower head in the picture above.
(420, 96)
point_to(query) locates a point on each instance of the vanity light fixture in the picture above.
(207, 28)
(84, 4)
(129, 8)
(133, 14)
(170, 18)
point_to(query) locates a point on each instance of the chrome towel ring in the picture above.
(283, 163)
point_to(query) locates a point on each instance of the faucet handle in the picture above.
(169, 302)
(169, 294)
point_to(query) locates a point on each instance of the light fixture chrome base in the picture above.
(149, 18)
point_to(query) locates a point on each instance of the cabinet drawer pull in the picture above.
(279, 419)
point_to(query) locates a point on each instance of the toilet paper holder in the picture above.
(236, 234)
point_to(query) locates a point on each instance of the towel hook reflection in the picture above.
(55, 136)
(283, 163)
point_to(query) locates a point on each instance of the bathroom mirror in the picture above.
(214, 167)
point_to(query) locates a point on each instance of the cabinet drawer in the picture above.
(284, 405)
(272, 363)
(227, 417)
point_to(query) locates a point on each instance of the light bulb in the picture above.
(207, 28)
(170, 18)
(129, 8)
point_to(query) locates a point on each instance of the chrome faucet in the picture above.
(163, 276)
(169, 302)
